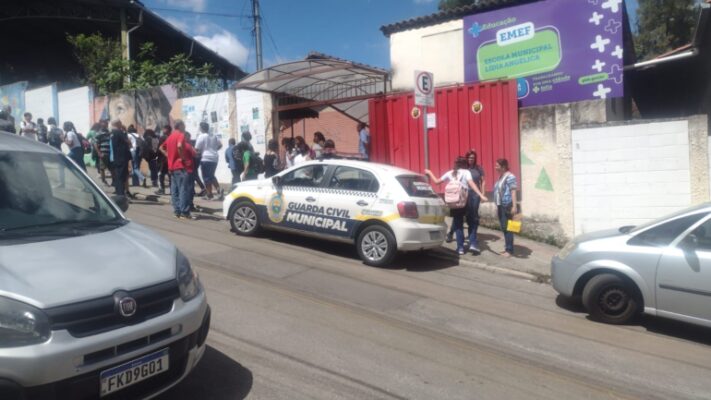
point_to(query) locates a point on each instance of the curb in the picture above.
(438, 253)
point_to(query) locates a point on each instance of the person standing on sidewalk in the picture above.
(178, 159)
(55, 136)
(150, 152)
(121, 157)
(163, 161)
(506, 203)
(271, 159)
(76, 150)
(137, 177)
(208, 146)
(231, 160)
(461, 174)
(41, 130)
(102, 145)
(28, 128)
(364, 141)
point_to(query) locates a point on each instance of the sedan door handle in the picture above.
(310, 199)
(362, 203)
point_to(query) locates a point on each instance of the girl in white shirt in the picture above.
(459, 173)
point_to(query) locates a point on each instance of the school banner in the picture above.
(558, 50)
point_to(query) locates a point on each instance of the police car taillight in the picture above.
(407, 209)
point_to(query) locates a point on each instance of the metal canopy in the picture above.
(319, 81)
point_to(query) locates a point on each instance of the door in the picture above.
(684, 273)
(296, 205)
(350, 196)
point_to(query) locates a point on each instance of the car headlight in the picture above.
(565, 252)
(21, 324)
(188, 281)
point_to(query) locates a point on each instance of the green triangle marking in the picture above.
(526, 161)
(544, 181)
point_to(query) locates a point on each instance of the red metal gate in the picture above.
(492, 130)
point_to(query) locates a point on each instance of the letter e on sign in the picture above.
(424, 88)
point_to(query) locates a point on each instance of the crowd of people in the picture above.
(464, 193)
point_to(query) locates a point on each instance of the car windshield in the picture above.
(667, 217)
(416, 186)
(45, 195)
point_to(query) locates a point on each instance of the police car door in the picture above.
(296, 204)
(349, 193)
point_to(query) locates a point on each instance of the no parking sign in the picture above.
(424, 89)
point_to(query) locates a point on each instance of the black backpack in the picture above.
(85, 144)
(256, 163)
(54, 137)
(239, 161)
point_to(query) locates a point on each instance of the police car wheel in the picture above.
(244, 219)
(376, 246)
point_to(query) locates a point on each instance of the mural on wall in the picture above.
(144, 109)
(558, 50)
(13, 95)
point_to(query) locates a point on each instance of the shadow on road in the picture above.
(418, 261)
(660, 326)
(216, 377)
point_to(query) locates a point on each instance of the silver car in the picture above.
(91, 304)
(661, 268)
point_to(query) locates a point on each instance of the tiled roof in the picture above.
(449, 15)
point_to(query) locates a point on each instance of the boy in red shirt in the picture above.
(178, 154)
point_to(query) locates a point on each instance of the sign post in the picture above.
(424, 96)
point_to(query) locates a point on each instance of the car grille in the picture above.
(99, 315)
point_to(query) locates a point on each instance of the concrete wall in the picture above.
(631, 173)
(75, 106)
(436, 48)
(42, 102)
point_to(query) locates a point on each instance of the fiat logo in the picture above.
(125, 305)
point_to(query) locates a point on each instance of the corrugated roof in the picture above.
(449, 15)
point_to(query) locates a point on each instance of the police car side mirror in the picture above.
(276, 180)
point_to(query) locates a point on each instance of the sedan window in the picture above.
(702, 235)
(664, 234)
(348, 178)
(308, 176)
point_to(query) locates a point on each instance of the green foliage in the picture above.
(664, 25)
(108, 72)
(450, 4)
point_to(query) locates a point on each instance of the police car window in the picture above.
(349, 178)
(308, 176)
(416, 186)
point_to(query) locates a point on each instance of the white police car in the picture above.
(381, 208)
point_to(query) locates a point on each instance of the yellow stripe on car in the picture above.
(387, 218)
(255, 200)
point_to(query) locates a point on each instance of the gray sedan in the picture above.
(661, 268)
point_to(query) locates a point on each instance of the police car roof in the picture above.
(380, 168)
(11, 142)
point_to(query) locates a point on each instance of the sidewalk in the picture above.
(531, 259)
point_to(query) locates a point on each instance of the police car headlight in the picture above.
(567, 249)
(188, 281)
(21, 324)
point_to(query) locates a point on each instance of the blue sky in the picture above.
(343, 28)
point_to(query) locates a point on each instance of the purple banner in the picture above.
(558, 50)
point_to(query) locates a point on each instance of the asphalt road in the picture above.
(295, 318)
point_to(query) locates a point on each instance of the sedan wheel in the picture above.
(244, 219)
(608, 298)
(376, 245)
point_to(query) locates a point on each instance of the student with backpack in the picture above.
(149, 152)
(55, 136)
(505, 190)
(75, 142)
(456, 192)
(248, 161)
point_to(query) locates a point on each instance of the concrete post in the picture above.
(564, 191)
(699, 158)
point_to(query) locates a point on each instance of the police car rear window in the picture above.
(416, 186)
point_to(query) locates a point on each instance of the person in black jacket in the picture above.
(272, 165)
(121, 149)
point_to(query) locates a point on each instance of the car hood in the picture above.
(253, 183)
(52, 273)
(604, 234)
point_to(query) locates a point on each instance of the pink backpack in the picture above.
(455, 194)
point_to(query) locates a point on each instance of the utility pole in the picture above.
(257, 32)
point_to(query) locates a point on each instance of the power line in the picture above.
(204, 13)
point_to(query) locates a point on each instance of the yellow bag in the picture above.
(514, 225)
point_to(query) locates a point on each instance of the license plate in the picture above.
(435, 235)
(134, 371)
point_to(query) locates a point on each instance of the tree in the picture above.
(664, 25)
(105, 68)
(445, 5)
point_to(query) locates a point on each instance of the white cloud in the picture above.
(227, 45)
(178, 23)
(424, 1)
(195, 5)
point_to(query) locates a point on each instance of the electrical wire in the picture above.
(213, 14)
